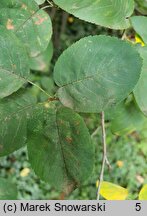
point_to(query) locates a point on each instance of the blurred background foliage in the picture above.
(127, 153)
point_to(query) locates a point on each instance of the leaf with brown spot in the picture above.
(10, 25)
(31, 24)
(40, 20)
(62, 165)
(69, 139)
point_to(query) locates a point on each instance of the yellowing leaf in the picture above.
(139, 40)
(112, 191)
(25, 172)
(143, 193)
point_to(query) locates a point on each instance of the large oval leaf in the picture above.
(113, 14)
(143, 193)
(14, 67)
(141, 87)
(59, 147)
(13, 117)
(139, 23)
(96, 73)
(8, 190)
(31, 25)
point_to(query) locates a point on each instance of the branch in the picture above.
(50, 3)
(105, 159)
(95, 132)
(123, 35)
(37, 86)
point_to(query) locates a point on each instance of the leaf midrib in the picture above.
(61, 150)
(14, 74)
(91, 77)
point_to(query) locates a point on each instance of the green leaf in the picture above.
(142, 6)
(47, 83)
(59, 147)
(18, 4)
(141, 87)
(14, 68)
(112, 14)
(13, 117)
(8, 190)
(126, 119)
(96, 73)
(142, 3)
(31, 25)
(39, 2)
(42, 62)
(143, 193)
(112, 191)
(139, 23)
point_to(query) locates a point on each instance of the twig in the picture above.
(123, 35)
(39, 88)
(50, 3)
(45, 7)
(95, 132)
(104, 160)
(108, 164)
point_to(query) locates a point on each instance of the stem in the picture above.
(123, 35)
(95, 132)
(45, 7)
(39, 88)
(50, 3)
(104, 160)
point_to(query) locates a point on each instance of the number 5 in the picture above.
(138, 207)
